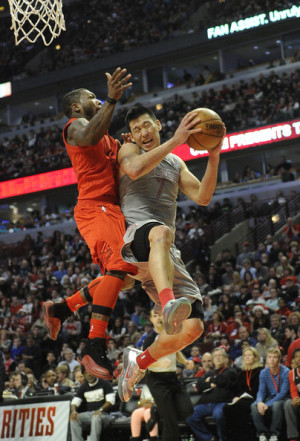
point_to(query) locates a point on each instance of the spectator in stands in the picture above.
(294, 345)
(112, 351)
(216, 328)
(234, 325)
(216, 387)
(9, 363)
(226, 304)
(227, 277)
(69, 360)
(291, 289)
(63, 379)
(16, 350)
(51, 380)
(261, 270)
(292, 406)
(32, 381)
(290, 333)
(21, 385)
(272, 302)
(273, 390)
(290, 230)
(237, 412)
(247, 268)
(246, 254)
(265, 342)
(260, 318)
(51, 361)
(283, 309)
(31, 353)
(294, 319)
(133, 332)
(236, 283)
(277, 329)
(71, 331)
(97, 397)
(209, 308)
(207, 364)
(78, 376)
(283, 266)
(147, 411)
(118, 330)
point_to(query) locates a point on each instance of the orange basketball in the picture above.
(212, 130)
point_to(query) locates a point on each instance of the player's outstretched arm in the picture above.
(202, 192)
(83, 132)
(135, 165)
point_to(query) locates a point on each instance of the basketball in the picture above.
(212, 130)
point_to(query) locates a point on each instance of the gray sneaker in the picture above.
(131, 373)
(174, 313)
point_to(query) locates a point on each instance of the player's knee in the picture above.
(118, 274)
(162, 234)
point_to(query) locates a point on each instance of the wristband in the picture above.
(110, 100)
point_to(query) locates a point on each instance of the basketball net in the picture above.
(32, 19)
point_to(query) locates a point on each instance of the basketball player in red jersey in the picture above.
(99, 219)
(93, 154)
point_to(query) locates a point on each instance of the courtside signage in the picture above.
(232, 142)
(255, 21)
(249, 138)
(35, 422)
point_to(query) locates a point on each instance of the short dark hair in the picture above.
(69, 99)
(295, 352)
(137, 111)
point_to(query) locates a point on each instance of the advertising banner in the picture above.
(35, 421)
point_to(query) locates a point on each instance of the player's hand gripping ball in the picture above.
(213, 130)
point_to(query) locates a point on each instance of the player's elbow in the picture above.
(204, 200)
(132, 172)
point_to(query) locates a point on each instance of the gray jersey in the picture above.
(152, 198)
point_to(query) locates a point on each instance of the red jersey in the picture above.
(96, 168)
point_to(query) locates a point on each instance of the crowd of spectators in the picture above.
(245, 291)
(36, 219)
(90, 33)
(243, 105)
(237, 10)
(90, 30)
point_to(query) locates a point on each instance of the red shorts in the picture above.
(103, 226)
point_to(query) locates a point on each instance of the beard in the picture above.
(89, 112)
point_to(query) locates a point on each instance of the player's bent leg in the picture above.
(136, 362)
(94, 355)
(161, 268)
(56, 313)
(131, 373)
(174, 313)
(168, 344)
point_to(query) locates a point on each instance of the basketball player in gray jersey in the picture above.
(150, 177)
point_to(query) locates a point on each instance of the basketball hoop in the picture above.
(32, 19)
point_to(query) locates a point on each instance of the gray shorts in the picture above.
(183, 286)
